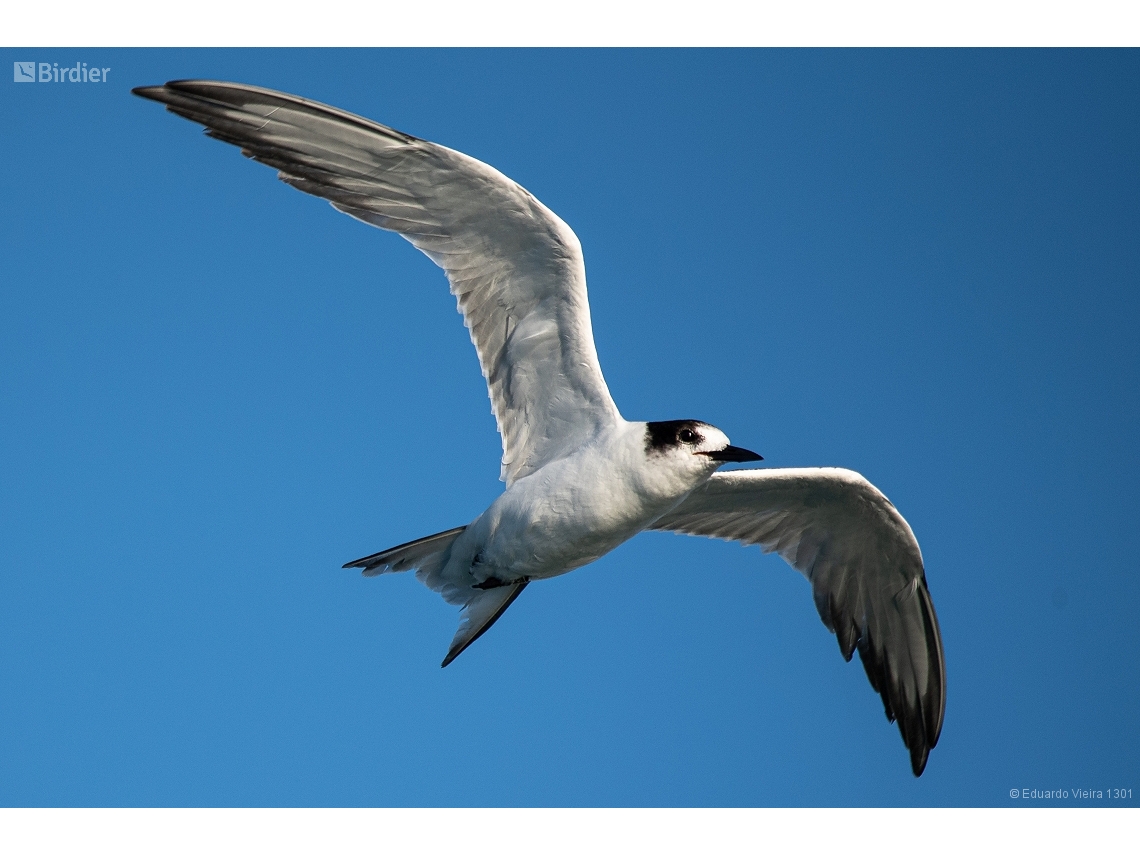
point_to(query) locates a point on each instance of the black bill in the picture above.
(732, 454)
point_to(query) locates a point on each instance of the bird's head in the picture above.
(693, 445)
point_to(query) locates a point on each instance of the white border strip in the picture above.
(557, 831)
(600, 23)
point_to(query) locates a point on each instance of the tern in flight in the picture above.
(580, 478)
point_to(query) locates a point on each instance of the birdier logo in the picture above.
(52, 72)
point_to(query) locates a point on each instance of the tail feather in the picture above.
(480, 606)
(414, 553)
(479, 613)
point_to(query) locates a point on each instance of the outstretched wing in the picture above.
(865, 570)
(515, 268)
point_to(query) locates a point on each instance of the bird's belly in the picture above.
(544, 554)
(554, 532)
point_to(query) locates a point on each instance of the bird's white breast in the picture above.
(576, 509)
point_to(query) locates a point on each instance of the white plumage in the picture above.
(581, 479)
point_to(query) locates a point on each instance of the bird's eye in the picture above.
(686, 435)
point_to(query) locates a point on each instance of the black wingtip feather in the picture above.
(936, 708)
(215, 97)
(846, 633)
(919, 718)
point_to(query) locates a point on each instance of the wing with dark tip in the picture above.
(865, 570)
(515, 268)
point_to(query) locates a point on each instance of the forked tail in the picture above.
(428, 556)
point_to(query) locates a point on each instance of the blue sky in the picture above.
(216, 390)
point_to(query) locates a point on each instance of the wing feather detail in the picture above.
(865, 570)
(515, 268)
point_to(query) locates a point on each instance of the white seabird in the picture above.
(581, 479)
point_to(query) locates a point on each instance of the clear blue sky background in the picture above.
(215, 390)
